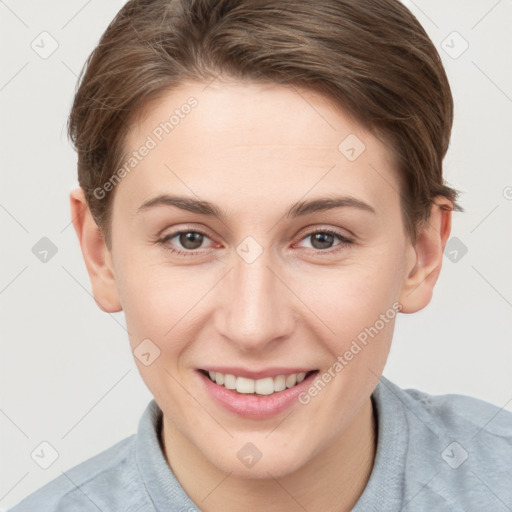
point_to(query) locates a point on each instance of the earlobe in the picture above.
(96, 255)
(424, 265)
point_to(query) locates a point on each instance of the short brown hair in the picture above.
(372, 57)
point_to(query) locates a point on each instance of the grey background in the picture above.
(67, 375)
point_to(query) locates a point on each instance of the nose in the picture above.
(257, 308)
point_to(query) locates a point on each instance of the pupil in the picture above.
(324, 239)
(191, 240)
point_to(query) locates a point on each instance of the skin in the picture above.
(253, 151)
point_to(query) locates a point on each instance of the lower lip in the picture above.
(255, 406)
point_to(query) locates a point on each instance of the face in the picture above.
(253, 274)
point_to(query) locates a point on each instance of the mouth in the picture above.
(265, 386)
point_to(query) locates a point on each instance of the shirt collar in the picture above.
(164, 490)
(384, 490)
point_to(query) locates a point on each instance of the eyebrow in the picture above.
(296, 210)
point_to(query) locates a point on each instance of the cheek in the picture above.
(350, 299)
(156, 301)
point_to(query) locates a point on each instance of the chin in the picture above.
(276, 463)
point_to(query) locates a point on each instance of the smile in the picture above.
(264, 386)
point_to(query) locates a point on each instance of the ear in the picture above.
(424, 266)
(96, 255)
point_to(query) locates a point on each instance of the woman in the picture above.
(261, 193)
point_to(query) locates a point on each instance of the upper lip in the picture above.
(238, 371)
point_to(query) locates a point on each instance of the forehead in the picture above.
(255, 140)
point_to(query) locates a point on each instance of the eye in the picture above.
(189, 240)
(325, 238)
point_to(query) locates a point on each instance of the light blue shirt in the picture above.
(434, 453)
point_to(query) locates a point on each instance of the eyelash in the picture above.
(344, 241)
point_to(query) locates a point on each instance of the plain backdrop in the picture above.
(67, 373)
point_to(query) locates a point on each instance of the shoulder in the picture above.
(458, 415)
(101, 482)
(457, 408)
(459, 450)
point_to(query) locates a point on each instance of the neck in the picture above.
(332, 481)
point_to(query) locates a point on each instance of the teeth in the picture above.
(291, 380)
(230, 381)
(265, 386)
(244, 385)
(280, 383)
